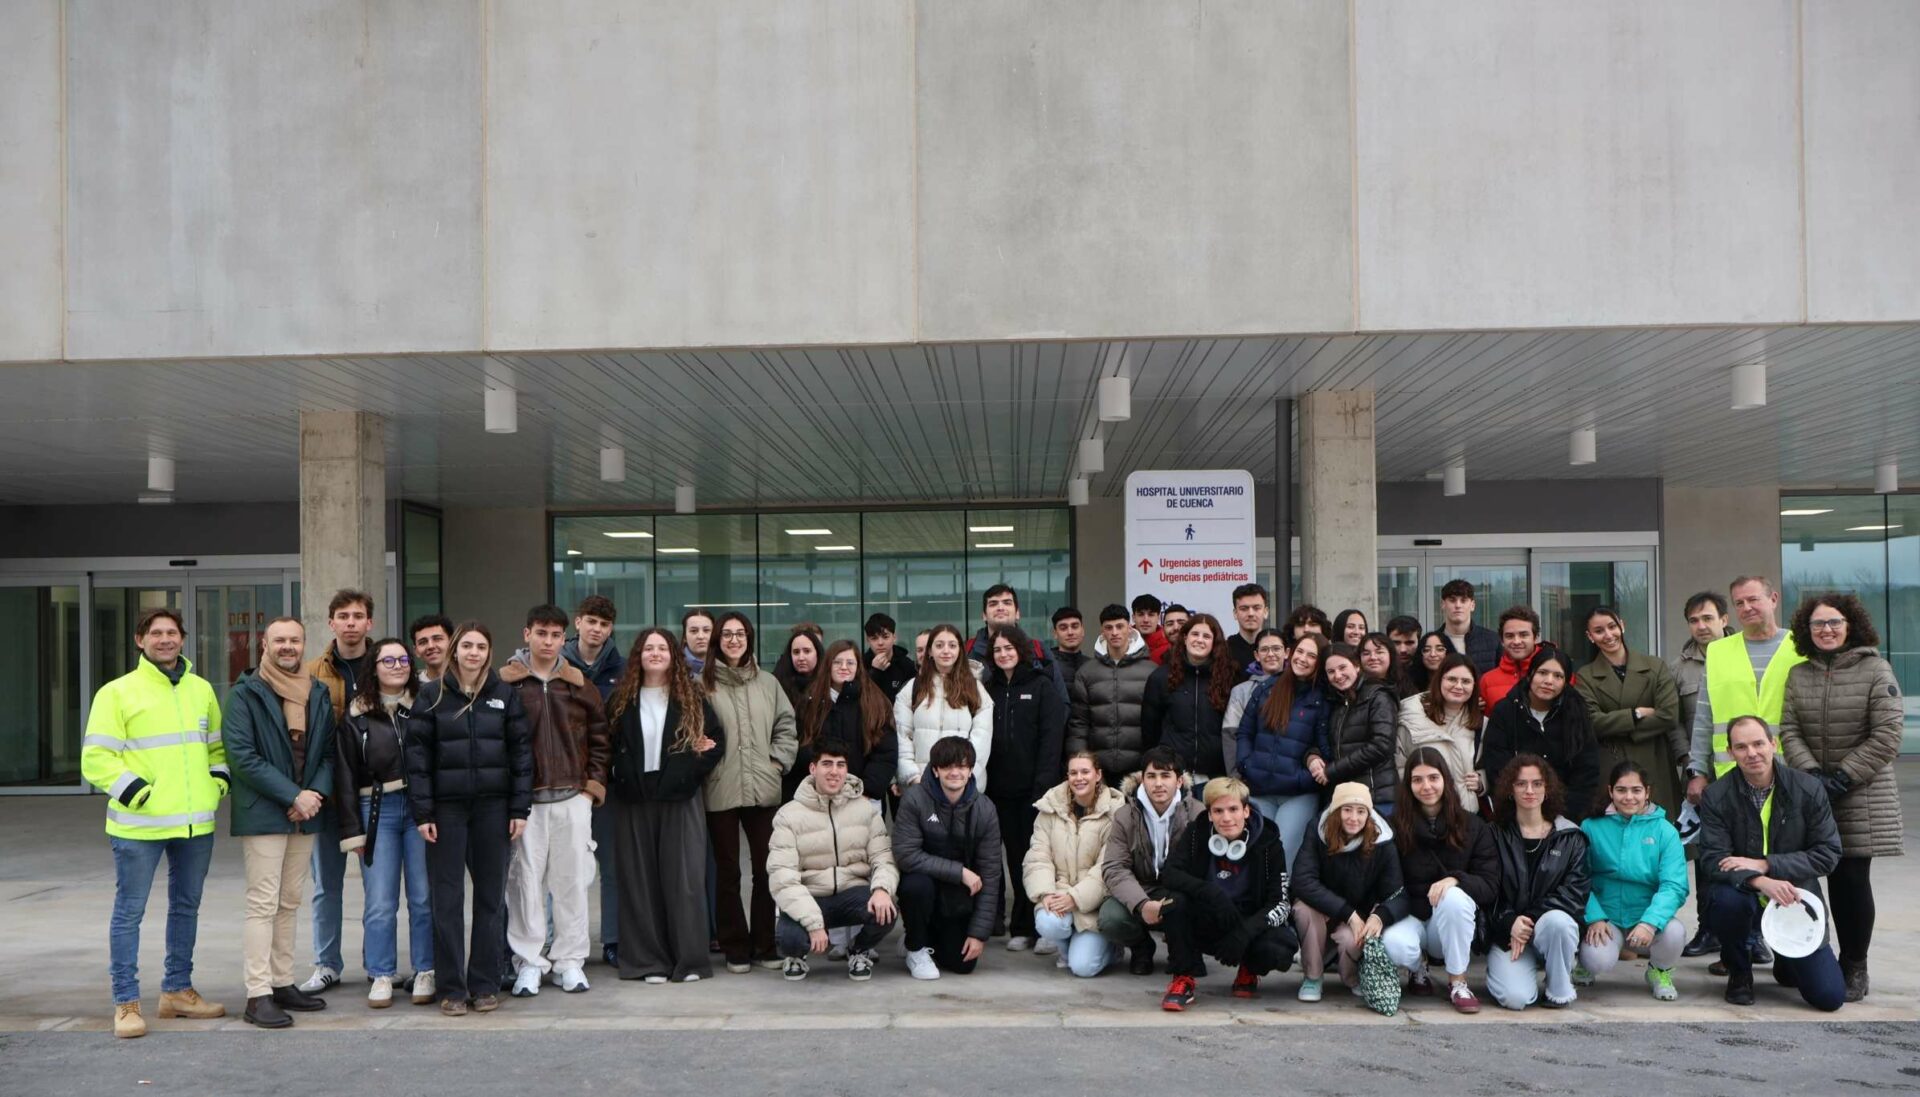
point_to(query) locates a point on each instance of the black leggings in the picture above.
(1850, 891)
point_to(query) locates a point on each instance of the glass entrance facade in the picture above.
(830, 568)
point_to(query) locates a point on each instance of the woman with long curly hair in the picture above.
(1186, 698)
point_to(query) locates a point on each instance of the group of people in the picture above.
(1256, 795)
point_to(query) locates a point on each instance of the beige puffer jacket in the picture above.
(820, 848)
(1454, 740)
(761, 739)
(1848, 715)
(1065, 852)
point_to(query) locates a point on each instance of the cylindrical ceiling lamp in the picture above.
(1886, 478)
(503, 411)
(1750, 386)
(613, 464)
(1583, 446)
(683, 499)
(1116, 399)
(1077, 492)
(1093, 456)
(159, 473)
(1454, 482)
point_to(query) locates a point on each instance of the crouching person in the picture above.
(1347, 878)
(1061, 870)
(946, 842)
(830, 864)
(1227, 873)
(1155, 807)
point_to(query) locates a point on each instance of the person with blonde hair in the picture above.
(1227, 878)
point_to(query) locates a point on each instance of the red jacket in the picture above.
(1506, 674)
(1157, 645)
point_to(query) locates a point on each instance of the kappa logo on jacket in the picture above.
(933, 817)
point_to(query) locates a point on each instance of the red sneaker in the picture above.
(1462, 998)
(1246, 984)
(1179, 994)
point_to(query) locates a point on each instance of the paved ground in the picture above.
(56, 888)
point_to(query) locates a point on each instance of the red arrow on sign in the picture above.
(1145, 565)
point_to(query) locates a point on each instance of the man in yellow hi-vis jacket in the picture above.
(153, 746)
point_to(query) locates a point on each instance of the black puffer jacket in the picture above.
(466, 748)
(1361, 733)
(939, 837)
(1190, 871)
(1108, 694)
(681, 772)
(1475, 866)
(1183, 717)
(1340, 883)
(842, 725)
(1560, 882)
(1568, 745)
(1029, 726)
(899, 671)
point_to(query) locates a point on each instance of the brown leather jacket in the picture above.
(571, 742)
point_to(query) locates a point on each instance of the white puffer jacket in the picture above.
(920, 728)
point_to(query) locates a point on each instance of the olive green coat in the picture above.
(1657, 742)
(761, 739)
(1846, 714)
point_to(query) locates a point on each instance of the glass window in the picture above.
(915, 565)
(1399, 592)
(420, 563)
(228, 622)
(40, 686)
(1571, 589)
(1028, 550)
(707, 560)
(115, 611)
(1900, 629)
(611, 557)
(809, 571)
(1495, 587)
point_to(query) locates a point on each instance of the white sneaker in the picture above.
(380, 996)
(693, 977)
(1047, 947)
(323, 979)
(423, 988)
(571, 979)
(527, 983)
(654, 980)
(1019, 944)
(920, 964)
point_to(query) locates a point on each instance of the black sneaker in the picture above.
(1140, 961)
(610, 955)
(1704, 943)
(1740, 988)
(860, 966)
(795, 969)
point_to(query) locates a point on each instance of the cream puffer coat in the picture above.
(1847, 714)
(821, 847)
(919, 728)
(1454, 740)
(1065, 852)
(762, 737)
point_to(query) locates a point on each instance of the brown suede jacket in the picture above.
(572, 746)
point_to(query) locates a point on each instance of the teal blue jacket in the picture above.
(1638, 869)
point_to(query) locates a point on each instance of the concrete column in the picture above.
(1338, 556)
(343, 525)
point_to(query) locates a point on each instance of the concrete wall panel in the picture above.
(30, 180)
(669, 174)
(287, 178)
(1710, 536)
(1863, 159)
(1538, 163)
(1090, 168)
(495, 566)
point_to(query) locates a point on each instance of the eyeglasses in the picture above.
(1828, 624)
(395, 661)
(732, 634)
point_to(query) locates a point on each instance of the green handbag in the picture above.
(1379, 979)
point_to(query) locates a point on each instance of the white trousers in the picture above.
(1448, 933)
(554, 855)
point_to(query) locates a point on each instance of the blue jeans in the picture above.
(1733, 914)
(134, 863)
(1087, 952)
(329, 880)
(397, 850)
(1293, 815)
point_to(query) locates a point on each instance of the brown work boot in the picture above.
(188, 1003)
(127, 1022)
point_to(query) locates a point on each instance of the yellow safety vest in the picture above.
(1733, 693)
(156, 745)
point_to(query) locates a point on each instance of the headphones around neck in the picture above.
(1232, 851)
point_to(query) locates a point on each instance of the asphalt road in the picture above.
(1595, 1060)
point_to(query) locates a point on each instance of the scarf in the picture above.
(1159, 825)
(293, 690)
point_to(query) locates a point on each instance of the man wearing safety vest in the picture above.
(153, 746)
(1746, 675)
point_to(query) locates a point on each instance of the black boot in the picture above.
(1740, 988)
(1704, 943)
(1141, 959)
(292, 997)
(262, 1012)
(1757, 948)
(1856, 973)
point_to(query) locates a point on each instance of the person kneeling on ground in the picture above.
(1228, 875)
(830, 864)
(1347, 866)
(1543, 887)
(1639, 876)
(1061, 869)
(946, 842)
(1156, 807)
(1767, 829)
(1451, 870)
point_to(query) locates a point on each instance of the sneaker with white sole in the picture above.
(794, 969)
(1581, 976)
(654, 980)
(920, 964)
(691, 977)
(423, 988)
(571, 979)
(1660, 981)
(322, 980)
(1309, 990)
(380, 995)
(739, 967)
(1046, 946)
(860, 966)
(527, 983)
(1019, 944)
